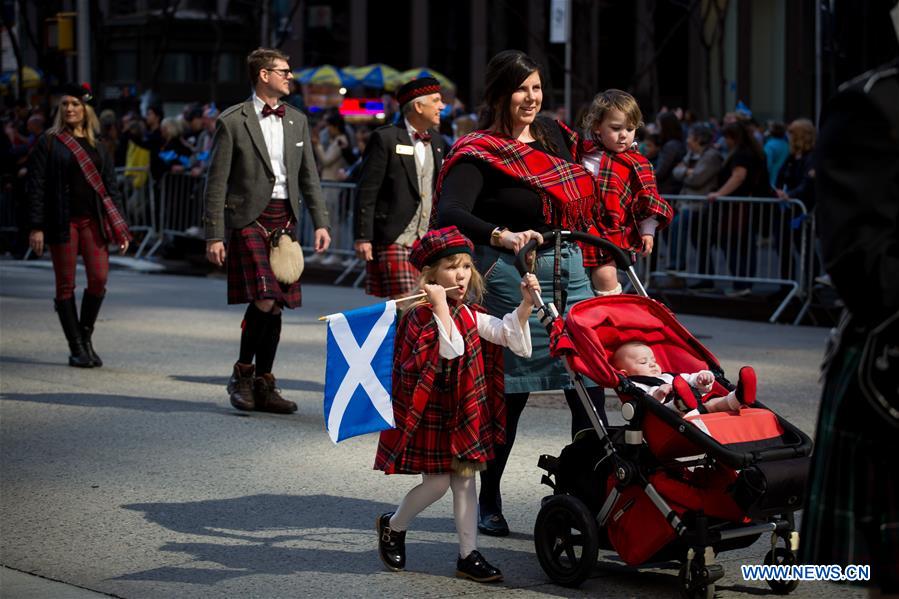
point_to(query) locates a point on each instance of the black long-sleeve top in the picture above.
(477, 198)
(82, 197)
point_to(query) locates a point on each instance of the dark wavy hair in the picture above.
(505, 73)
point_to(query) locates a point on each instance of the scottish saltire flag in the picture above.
(358, 371)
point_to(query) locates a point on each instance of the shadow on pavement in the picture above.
(222, 381)
(287, 535)
(20, 360)
(127, 402)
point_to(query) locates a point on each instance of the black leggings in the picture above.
(490, 500)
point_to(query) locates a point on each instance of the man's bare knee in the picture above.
(265, 305)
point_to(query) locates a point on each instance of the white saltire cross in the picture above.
(360, 372)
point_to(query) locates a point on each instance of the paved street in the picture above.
(139, 480)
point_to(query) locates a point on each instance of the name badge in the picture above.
(299, 144)
(405, 150)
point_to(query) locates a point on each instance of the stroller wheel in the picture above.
(566, 539)
(785, 557)
(697, 582)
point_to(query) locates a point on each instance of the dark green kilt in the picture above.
(852, 505)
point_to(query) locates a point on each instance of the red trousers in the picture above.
(85, 239)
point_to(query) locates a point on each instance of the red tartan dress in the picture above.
(250, 275)
(628, 194)
(443, 409)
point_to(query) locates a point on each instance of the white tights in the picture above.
(432, 488)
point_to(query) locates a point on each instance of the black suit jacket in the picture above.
(388, 194)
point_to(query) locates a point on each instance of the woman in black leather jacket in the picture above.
(69, 216)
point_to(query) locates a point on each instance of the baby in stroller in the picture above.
(683, 392)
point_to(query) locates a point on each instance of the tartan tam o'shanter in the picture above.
(437, 244)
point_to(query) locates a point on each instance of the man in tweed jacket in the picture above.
(261, 166)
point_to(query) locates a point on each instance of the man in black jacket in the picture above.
(399, 175)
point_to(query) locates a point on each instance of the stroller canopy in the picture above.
(595, 328)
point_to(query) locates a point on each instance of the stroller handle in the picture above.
(622, 259)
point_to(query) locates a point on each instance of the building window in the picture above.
(121, 66)
(177, 66)
(230, 68)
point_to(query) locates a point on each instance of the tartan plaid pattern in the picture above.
(443, 408)
(84, 239)
(390, 273)
(567, 190)
(250, 275)
(438, 243)
(627, 192)
(852, 507)
(114, 226)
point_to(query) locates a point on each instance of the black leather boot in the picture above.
(90, 308)
(68, 318)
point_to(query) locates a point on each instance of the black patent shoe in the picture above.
(476, 568)
(391, 543)
(493, 525)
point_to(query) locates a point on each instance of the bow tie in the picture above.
(422, 137)
(278, 112)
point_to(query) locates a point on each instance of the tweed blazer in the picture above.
(240, 179)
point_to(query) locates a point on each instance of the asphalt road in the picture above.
(139, 480)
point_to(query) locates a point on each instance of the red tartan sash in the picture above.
(567, 190)
(114, 226)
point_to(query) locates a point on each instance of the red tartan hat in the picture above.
(437, 244)
(422, 86)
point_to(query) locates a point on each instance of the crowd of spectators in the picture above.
(711, 159)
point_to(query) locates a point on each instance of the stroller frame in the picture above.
(702, 538)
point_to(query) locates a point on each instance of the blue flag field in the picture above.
(358, 371)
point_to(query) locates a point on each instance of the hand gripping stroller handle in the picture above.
(622, 258)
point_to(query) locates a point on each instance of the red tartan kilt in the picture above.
(250, 275)
(389, 273)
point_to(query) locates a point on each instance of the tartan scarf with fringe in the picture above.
(567, 191)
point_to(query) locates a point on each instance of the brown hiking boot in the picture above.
(267, 397)
(240, 387)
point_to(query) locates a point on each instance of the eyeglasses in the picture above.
(283, 72)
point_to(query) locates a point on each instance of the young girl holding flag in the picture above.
(448, 395)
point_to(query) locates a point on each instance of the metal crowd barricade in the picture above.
(340, 199)
(741, 240)
(8, 222)
(138, 197)
(180, 208)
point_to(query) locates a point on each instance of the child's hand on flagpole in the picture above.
(436, 294)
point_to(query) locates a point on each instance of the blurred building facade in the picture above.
(698, 54)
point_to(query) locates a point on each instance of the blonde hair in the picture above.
(802, 136)
(475, 291)
(90, 126)
(172, 126)
(612, 99)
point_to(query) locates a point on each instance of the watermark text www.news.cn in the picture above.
(832, 573)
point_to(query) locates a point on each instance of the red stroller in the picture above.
(661, 487)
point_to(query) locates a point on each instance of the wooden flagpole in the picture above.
(402, 299)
